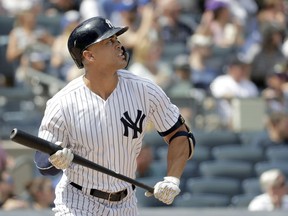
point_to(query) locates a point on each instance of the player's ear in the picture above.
(88, 55)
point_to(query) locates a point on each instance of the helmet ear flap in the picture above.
(127, 56)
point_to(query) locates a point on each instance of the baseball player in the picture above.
(102, 116)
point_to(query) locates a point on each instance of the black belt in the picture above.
(114, 197)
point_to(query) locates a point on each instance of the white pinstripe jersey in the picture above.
(107, 132)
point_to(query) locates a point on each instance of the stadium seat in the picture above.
(232, 169)
(279, 153)
(6, 23)
(158, 168)
(251, 186)
(51, 23)
(238, 153)
(261, 167)
(241, 200)
(217, 138)
(247, 137)
(223, 186)
(202, 153)
(201, 200)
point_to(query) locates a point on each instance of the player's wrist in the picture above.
(173, 180)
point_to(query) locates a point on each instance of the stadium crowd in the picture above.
(221, 49)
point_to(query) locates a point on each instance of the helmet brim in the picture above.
(115, 31)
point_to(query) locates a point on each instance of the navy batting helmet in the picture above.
(89, 32)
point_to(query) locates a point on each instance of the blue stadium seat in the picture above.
(201, 200)
(158, 168)
(6, 23)
(241, 200)
(202, 153)
(233, 169)
(217, 138)
(51, 23)
(213, 185)
(251, 186)
(279, 153)
(238, 153)
(261, 167)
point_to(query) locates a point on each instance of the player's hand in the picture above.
(62, 158)
(166, 190)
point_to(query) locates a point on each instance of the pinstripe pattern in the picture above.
(92, 128)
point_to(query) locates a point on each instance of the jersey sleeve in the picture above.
(52, 129)
(164, 115)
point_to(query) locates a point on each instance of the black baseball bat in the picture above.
(50, 148)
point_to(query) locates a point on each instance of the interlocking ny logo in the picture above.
(135, 126)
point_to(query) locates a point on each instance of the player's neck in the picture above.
(102, 86)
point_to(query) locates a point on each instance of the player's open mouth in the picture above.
(121, 54)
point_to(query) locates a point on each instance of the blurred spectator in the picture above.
(276, 91)
(205, 68)
(269, 54)
(56, 7)
(41, 193)
(234, 84)
(172, 28)
(181, 84)
(140, 20)
(242, 10)
(181, 87)
(14, 7)
(274, 197)
(218, 22)
(61, 62)
(3, 159)
(91, 8)
(272, 11)
(275, 132)
(226, 33)
(29, 45)
(147, 61)
(8, 199)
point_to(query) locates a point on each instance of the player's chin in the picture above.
(123, 63)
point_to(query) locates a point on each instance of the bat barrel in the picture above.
(33, 142)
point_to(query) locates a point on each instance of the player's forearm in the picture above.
(178, 154)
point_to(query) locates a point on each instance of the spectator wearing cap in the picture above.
(181, 85)
(276, 92)
(274, 197)
(234, 84)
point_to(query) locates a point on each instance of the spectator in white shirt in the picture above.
(275, 196)
(234, 84)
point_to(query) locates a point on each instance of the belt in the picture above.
(114, 197)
